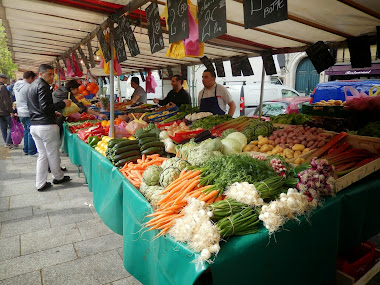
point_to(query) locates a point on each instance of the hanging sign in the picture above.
(219, 67)
(142, 76)
(129, 36)
(156, 40)
(245, 66)
(160, 73)
(104, 45)
(263, 12)
(235, 66)
(184, 71)
(207, 62)
(360, 51)
(91, 54)
(121, 55)
(78, 61)
(320, 56)
(84, 58)
(170, 72)
(268, 62)
(212, 21)
(178, 20)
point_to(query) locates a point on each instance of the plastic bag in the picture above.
(355, 93)
(121, 130)
(136, 124)
(150, 83)
(73, 108)
(70, 72)
(17, 132)
(74, 117)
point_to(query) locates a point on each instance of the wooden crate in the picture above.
(344, 279)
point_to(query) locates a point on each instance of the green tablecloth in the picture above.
(302, 253)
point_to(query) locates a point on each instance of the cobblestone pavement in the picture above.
(53, 237)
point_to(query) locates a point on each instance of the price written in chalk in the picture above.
(212, 19)
(156, 39)
(263, 12)
(178, 20)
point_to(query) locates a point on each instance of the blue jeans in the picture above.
(5, 126)
(29, 144)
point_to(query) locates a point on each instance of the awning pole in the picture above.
(112, 87)
(261, 92)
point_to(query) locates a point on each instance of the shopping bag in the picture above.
(17, 132)
(73, 108)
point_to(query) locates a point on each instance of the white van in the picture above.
(252, 94)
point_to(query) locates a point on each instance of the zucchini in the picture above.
(146, 140)
(126, 154)
(125, 143)
(112, 142)
(151, 144)
(126, 148)
(147, 135)
(123, 161)
(152, 150)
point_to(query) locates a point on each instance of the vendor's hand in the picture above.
(67, 102)
(12, 115)
(102, 116)
(58, 114)
(155, 100)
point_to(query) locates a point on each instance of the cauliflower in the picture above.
(156, 196)
(151, 175)
(199, 155)
(212, 144)
(169, 175)
(151, 191)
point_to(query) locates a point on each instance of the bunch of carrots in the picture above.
(169, 207)
(133, 171)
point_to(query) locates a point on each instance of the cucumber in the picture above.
(151, 144)
(147, 135)
(152, 150)
(146, 140)
(126, 154)
(123, 161)
(125, 143)
(126, 148)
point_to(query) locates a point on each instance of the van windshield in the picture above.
(272, 109)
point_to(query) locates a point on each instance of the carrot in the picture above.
(219, 198)
(177, 154)
(210, 195)
(187, 189)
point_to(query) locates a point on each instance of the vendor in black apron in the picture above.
(211, 104)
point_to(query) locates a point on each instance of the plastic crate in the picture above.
(326, 111)
(163, 117)
(168, 124)
(179, 137)
(358, 260)
(175, 108)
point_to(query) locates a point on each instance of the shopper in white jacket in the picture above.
(20, 90)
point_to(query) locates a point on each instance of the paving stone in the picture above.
(127, 281)
(31, 278)
(93, 228)
(49, 238)
(4, 204)
(80, 192)
(120, 251)
(9, 248)
(10, 175)
(24, 225)
(61, 205)
(16, 214)
(36, 261)
(94, 269)
(34, 198)
(99, 244)
(23, 187)
(69, 216)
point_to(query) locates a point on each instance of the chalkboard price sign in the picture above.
(170, 72)
(219, 67)
(104, 45)
(121, 55)
(262, 12)
(245, 66)
(156, 40)
(268, 62)
(320, 56)
(235, 66)
(84, 58)
(184, 71)
(207, 62)
(129, 36)
(178, 20)
(212, 19)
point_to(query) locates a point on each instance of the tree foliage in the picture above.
(7, 66)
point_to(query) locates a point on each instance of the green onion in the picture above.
(241, 223)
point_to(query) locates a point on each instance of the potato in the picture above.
(288, 153)
(255, 148)
(306, 150)
(310, 143)
(263, 141)
(298, 147)
(299, 160)
(304, 143)
(254, 142)
(271, 147)
(321, 143)
(265, 148)
(315, 145)
(297, 153)
(271, 142)
(297, 141)
(269, 153)
(248, 148)
(277, 141)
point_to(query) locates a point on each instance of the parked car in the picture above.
(252, 94)
(281, 106)
(335, 89)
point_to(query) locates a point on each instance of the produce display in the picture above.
(330, 103)
(122, 151)
(371, 129)
(290, 119)
(197, 116)
(209, 122)
(183, 111)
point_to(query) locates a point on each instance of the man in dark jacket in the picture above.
(177, 96)
(6, 112)
(44, 128)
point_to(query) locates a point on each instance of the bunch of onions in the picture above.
(244, 193)
(287, 207)
(278, 167)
